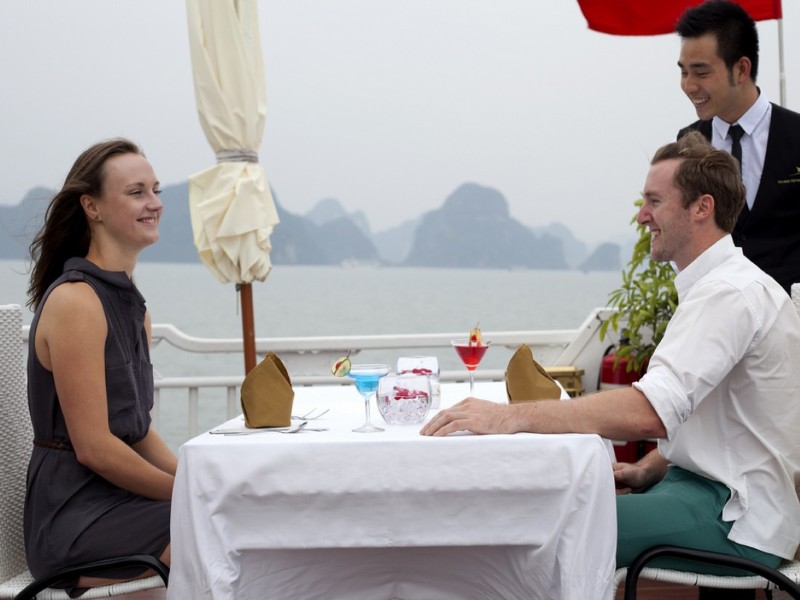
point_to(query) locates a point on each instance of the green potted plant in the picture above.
(644, 304)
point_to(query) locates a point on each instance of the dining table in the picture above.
(333, 514)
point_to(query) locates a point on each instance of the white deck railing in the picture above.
(308, 359)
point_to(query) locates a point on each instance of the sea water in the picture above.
(328, 301)
(297, 301)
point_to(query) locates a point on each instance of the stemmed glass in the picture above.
(366, 378)
(471, 354)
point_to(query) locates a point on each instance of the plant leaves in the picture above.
(644, 302)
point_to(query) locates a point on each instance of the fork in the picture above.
(302, 427)
(294, 429)
(310, 416)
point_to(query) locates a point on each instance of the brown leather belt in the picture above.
(54, 445)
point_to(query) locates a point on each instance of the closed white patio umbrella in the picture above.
(231, 206)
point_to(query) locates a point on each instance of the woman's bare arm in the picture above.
(153, 449)
(70, 341)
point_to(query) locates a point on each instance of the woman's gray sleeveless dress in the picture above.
(73, 515)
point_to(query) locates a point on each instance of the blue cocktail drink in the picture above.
(366, 378)
(366, 383)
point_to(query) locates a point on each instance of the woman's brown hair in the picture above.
(65, 233)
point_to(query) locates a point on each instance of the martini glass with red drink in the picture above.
(471, 351)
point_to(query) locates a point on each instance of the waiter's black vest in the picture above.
(769, 234)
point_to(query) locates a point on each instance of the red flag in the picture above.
(645, 17)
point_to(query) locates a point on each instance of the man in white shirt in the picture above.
(722, 391)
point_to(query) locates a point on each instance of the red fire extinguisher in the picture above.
(615, 377)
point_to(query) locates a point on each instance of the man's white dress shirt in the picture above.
(725, 381)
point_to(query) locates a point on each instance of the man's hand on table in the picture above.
(472, 414)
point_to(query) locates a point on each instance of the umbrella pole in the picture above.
(248, 327)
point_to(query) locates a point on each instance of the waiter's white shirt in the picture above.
(755, 123)
(725, 381)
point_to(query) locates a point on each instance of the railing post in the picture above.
(233, 406)
(193, 412)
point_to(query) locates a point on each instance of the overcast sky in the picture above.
(386, 105)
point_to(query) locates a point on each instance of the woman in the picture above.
(100, 479)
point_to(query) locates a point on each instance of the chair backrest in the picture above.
(16, 438)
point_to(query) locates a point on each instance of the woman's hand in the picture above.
(153, 449)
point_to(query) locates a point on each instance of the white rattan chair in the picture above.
(785, 577)
(16, 441)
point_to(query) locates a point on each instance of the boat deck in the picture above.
(648, 590)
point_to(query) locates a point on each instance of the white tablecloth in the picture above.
(338, 514)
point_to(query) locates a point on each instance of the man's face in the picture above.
(709, 85)
(662, 212)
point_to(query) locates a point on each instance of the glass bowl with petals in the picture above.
(404, 399)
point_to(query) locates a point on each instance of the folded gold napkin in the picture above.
(527, 381)
(267, 394)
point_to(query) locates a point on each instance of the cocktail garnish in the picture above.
(475, 337)
(342, 366)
